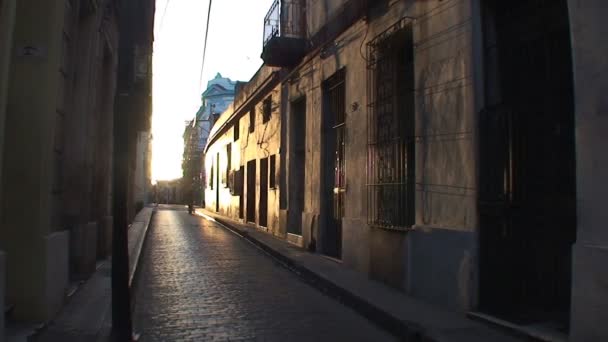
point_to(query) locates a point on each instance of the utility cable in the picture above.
(205, 45)
(162, 19)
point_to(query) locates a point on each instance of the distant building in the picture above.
(214, 101)
(169, 192)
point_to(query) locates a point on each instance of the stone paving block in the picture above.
(200, 282)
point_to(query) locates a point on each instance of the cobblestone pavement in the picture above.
(200, 282)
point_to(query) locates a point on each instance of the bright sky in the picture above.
(233, 49)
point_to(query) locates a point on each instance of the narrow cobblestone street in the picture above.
(200, 282)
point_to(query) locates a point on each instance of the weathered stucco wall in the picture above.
(262, 143)
(442, 249)
(41, 88)
(30, 114)
(444, 237)
(590, 253)
(319, 12)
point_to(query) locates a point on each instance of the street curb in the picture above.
(405, 330)
(134, 275)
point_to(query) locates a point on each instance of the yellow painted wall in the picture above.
(27, 173)
(262, 143)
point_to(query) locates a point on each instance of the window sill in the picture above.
(393, 228)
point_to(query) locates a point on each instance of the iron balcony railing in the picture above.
(286, 18)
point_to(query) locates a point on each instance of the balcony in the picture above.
(285, 34)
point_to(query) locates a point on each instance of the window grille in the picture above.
(267, 110)
(252, 120)
(237, 130)
(391, 129)
(236, 182)
(272, 170)
(211, 175)
(228, 163)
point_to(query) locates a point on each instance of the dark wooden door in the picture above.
(334, 181)
(263, 205)
(241, 175)
(528, 190)
(217, 183)
(298, 129)
(251, 191)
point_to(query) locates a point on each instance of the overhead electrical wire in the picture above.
(205, 45)
(162, 19)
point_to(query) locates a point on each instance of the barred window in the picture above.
(228, 163)
(267, 109)
(391, 129)
(237, 129)
(272, 183)
(211, 175)
(252, 120)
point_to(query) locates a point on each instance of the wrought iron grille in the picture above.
(391, 129)
(286, 18)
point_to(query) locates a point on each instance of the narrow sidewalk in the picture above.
(400, 314)
(87, 316)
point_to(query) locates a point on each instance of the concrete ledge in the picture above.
(87, 315)
(137, 236)
(404, 316)
(57, 272)
(296, 240)
(589, 293)
(83, 249)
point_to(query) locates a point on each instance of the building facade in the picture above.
(143, 169)
(216, 98)
(242, 154)
(134, 94)
(58, 82)
(170, 192)
(448, 149)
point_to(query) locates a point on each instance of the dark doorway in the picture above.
(333, 180)
(240, 181)
(217, 183)
(251, 191)
(296, 193)
(528, 190)
(263, 205)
